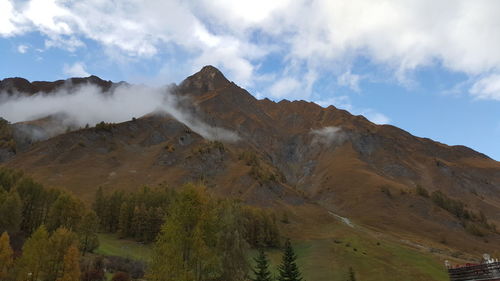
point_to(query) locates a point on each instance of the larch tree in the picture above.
(231, 244)
(59, 243)
(288, 270)
(32, 264)
(6, 256)
(261, 270)
(65, 212)
(88, 233)
(184, 248)
(11, 210)
(71, 265)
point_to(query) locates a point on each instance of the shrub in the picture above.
(422, 191)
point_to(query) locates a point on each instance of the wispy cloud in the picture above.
(75, 70)
(487, 87)
(22, 49)
(88, 105)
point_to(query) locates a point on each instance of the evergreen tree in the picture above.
(288, 269)
(352, 276)
(6, 256)
(125, 220)
(88, 233)
(71, 265)
(32, 264)
(11, 209)
(261, 270)
(99, 203)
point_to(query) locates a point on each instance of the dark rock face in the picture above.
(11, 86)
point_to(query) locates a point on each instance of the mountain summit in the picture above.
(290, 155)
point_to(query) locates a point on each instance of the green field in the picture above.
(110, 245)
(328, 259)
(322, 260)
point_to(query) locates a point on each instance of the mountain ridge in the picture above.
(290, 154)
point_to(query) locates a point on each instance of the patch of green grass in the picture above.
(327, 259)
(111, 245)
(330, 259)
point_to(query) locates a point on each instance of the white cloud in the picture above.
(349, 80)
(75, 70)
(487, 88)
(88, 105)
(319, 36)
(22, 48)
(328, 135)
(285, 87)
(9, 19)
(344, 102)
(376, 117)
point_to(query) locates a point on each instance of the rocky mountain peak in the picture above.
(209, 78)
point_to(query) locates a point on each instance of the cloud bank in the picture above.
(328, 136)
(89, 105)
(310, 36)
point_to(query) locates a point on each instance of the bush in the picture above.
(422, 191)
(103, 126)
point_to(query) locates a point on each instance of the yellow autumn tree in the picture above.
(32, 264)
(6, 259)
(71, 268)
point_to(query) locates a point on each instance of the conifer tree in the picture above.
(32, 264)
(261, 270)
(183, 249)
(288, 270)
(71, 266)
(99, 204)
(59, 243)
(88, 233)
(352, 276)
(11, 210)
(6, 256)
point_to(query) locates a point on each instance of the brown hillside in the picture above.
(292, 155)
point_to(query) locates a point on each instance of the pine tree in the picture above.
(261, 270)
(352, 276)
(6, 256)
(71, 267)
(288, 269)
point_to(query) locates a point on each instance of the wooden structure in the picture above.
(489, 271)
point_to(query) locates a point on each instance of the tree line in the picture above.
(46, 233)
(139, 215)
(25, 205)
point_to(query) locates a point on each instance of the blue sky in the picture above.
(429, 67)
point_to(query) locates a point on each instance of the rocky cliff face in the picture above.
(287, 153)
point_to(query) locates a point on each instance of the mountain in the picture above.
(318, 164)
